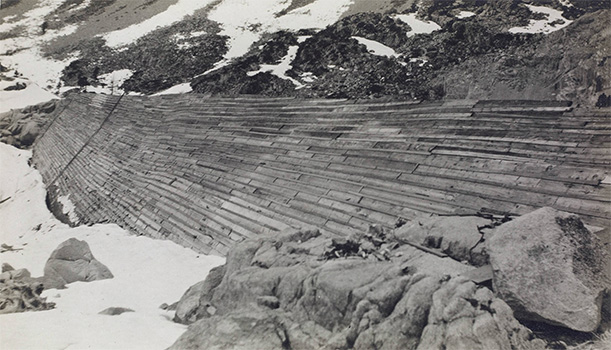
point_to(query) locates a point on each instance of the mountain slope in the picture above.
(425, 49)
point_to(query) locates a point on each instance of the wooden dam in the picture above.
(208, 172)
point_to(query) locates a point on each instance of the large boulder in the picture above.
(549, 268)
(306, 290)
(73, 261)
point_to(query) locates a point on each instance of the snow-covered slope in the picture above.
(147, 273)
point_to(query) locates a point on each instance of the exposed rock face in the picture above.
(73, 261)
(19, 292)
(459, 237)
(550, 268)
(278, 292)
(20, 128)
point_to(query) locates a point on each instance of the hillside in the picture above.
(545, 49)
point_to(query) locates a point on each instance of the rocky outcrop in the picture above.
(459, 237)
(292, 291)
(19, 292)
(73, 261)
(20, 128)
(549, 267)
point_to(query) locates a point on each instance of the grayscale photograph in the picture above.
(305, 174)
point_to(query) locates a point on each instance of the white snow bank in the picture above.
(465, 14)
(68, 208)
(171, 15)
(176, 89)
(16, 99)
(552, 23)
(147, 273)
(23, 52)
(245, 21)
(376, 48)
(281, 68)
(111, 82)
(418, 26)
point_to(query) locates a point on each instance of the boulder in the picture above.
(73, 261)
(284, 292)
(192, 302)
(549, 268)
(7, 267)
(114, 311)
(29, 133)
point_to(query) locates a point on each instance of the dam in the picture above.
(208, 172)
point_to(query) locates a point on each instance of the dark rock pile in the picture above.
(386, 290)
(20, 292)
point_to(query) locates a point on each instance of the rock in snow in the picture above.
(73, 261)
(114, 311)
(548, 267)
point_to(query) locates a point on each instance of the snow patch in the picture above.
(245, 21)
(81, 6)
(376, 48)
(23, 53)
(308, 77)
(171, 15)
(418, 26)
(302, 38)
(68, 208)
(465, 14)
(110, 82)
(281, 68)
(147, 272)
(176, 89)
(552, 23)
(16, 99)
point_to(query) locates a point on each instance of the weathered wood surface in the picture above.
(208, 172)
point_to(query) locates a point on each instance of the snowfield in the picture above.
(17, 99)
(418, 26)
(173, 14)
(281, 68)
(147, 273)
(552, 23)
(376, 48)
(245, 21)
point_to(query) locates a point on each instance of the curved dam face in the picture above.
(208, 172)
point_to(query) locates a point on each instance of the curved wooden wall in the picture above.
(208, 172)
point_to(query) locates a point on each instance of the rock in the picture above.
(171, 307)
(114, 311)
(29, 133)
(194, 302)
(243, 330)
(7, 267)
(278, 292)
(73, 261)
(47, 107)
(268, 301)
(457, 236)
(464, 316)
(19, 292)
(549, 268)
